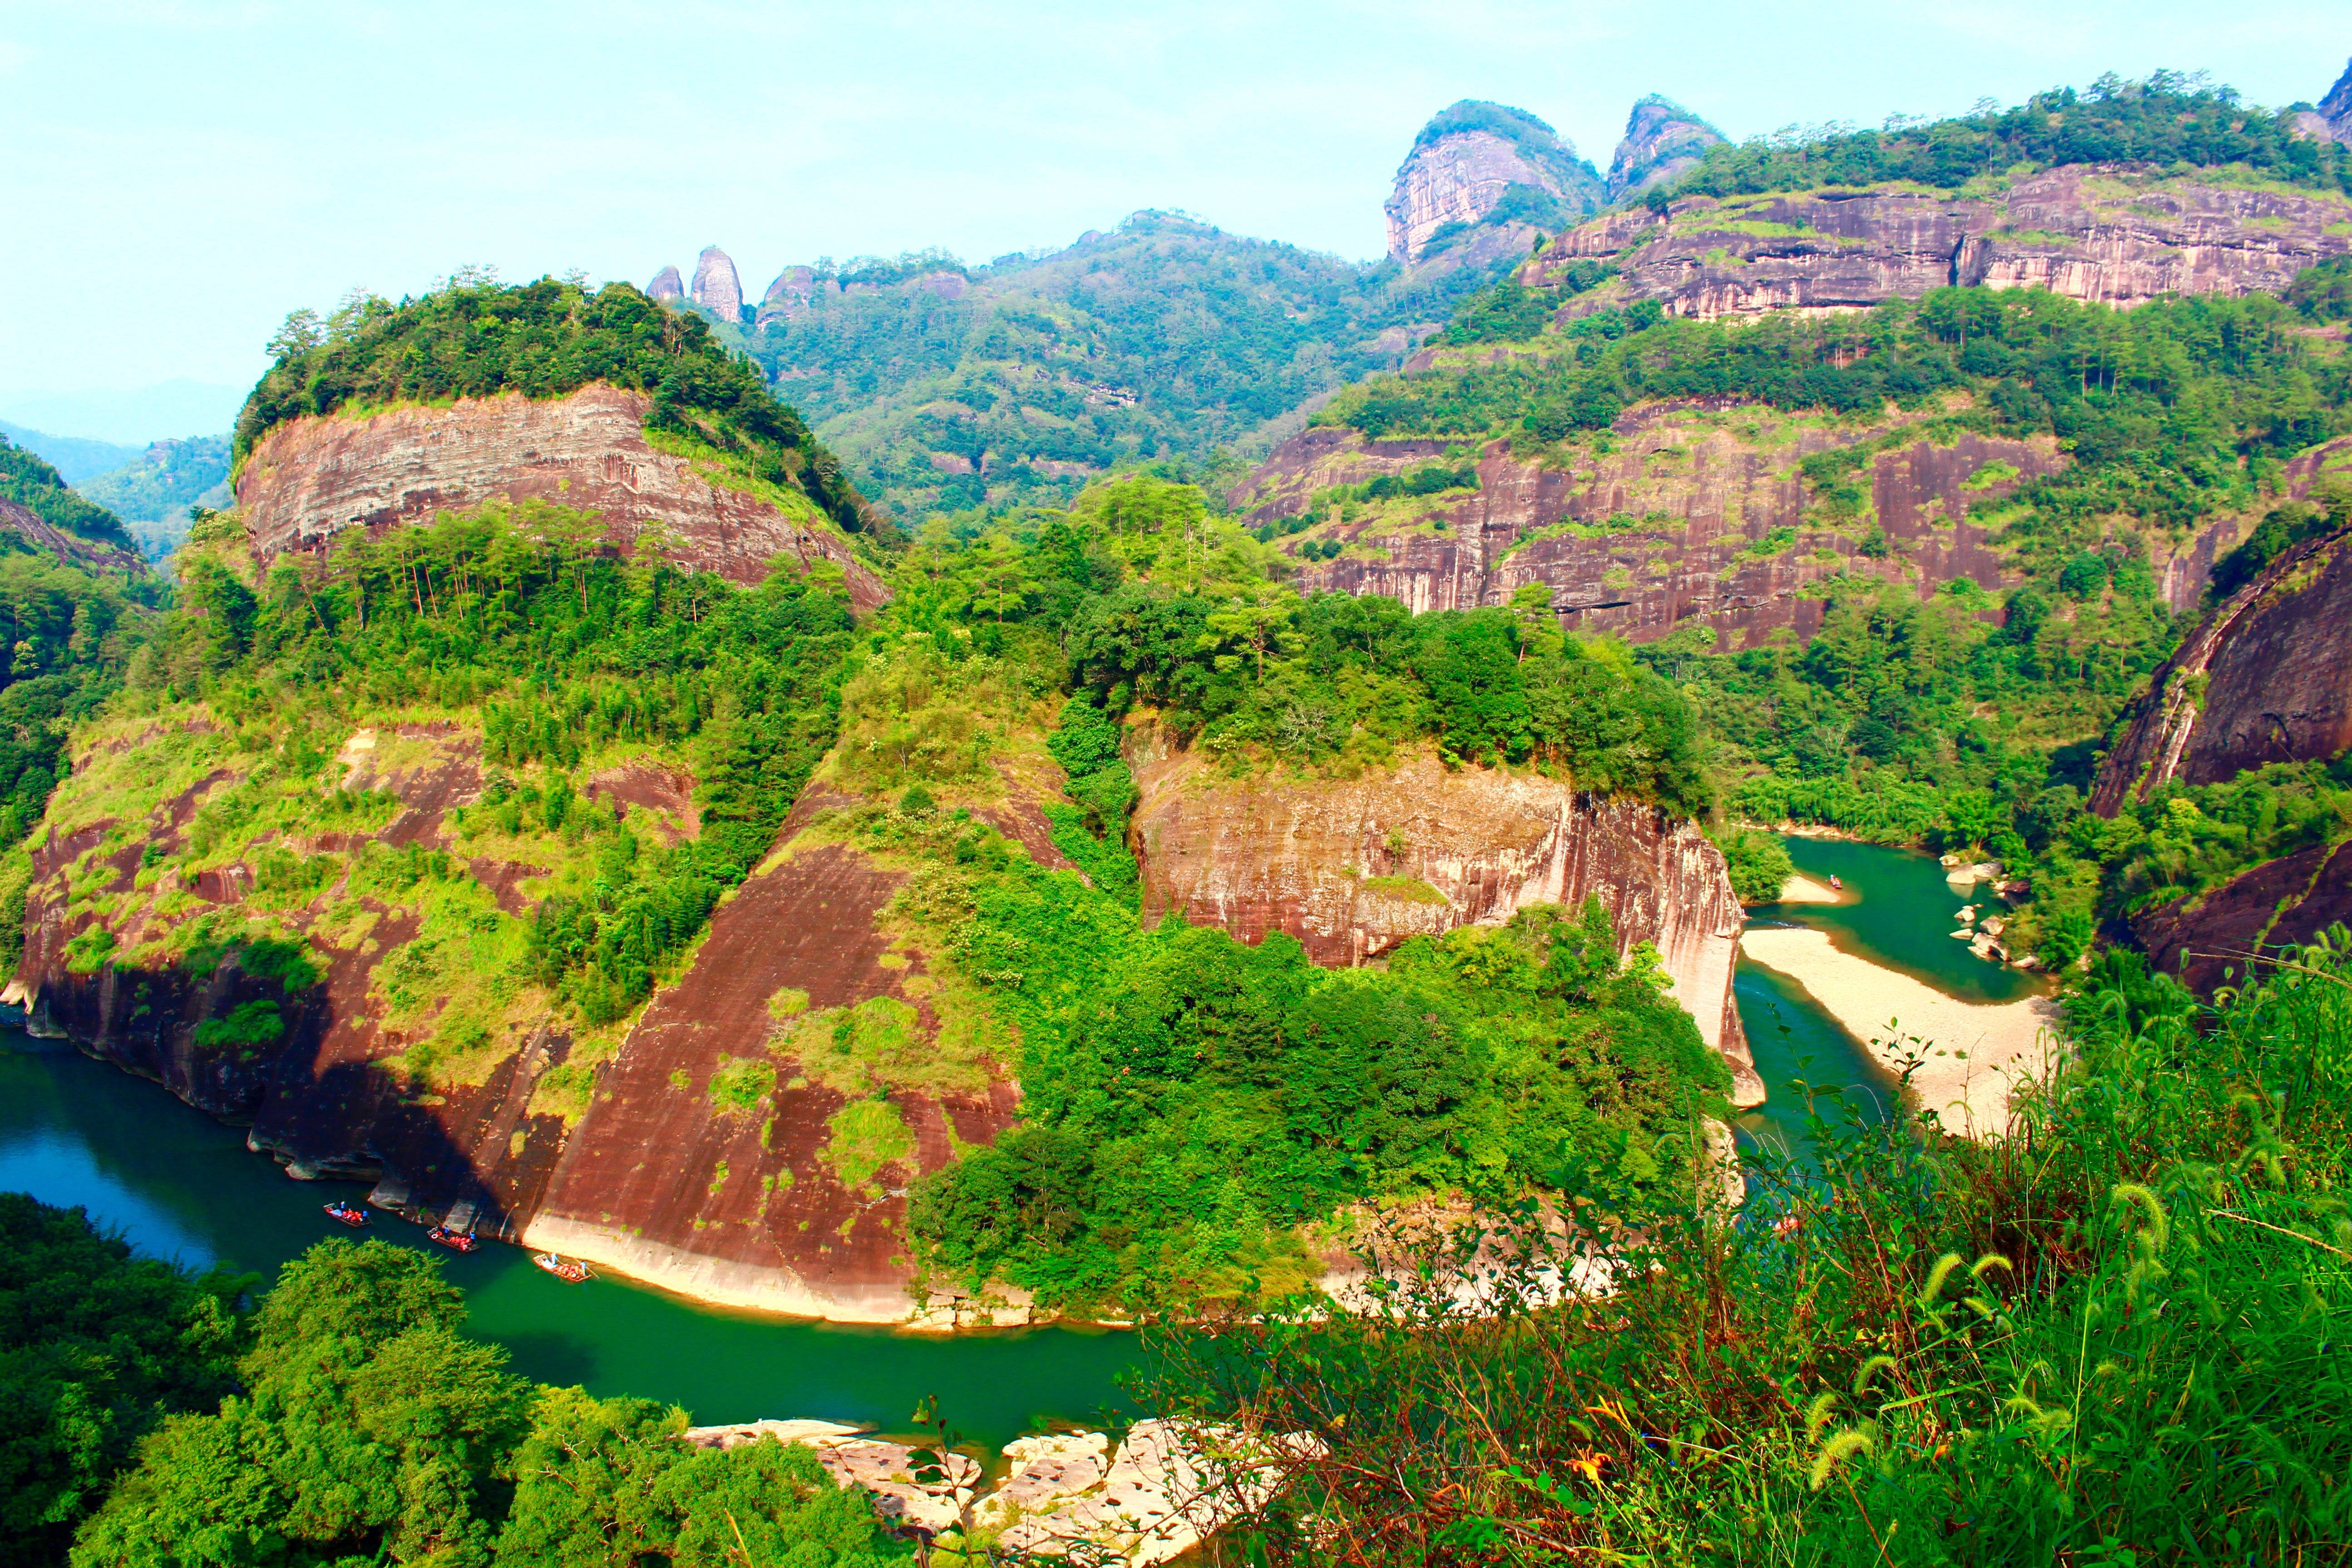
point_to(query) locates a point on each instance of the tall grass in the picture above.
(2115, 1335)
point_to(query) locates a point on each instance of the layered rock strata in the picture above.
(2118, 235)
(329, 1096)
(1351, 867)
(2266, 678)
(89, 554)
(1697, 517)
(310, 479)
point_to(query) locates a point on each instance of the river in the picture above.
(180, 1184)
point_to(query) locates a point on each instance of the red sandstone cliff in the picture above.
(2267, 677)
(1674, 527)
(312, 477)
(2120, 235)
(329, 1096)
(1352, 867)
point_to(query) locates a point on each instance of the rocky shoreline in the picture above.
(1151, 1498)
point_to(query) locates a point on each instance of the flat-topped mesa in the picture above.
(1351, 867)
(311, 477)
(1467, 165)
(666, 285)
(717, 289)
(2119, 235)
(1663, 140)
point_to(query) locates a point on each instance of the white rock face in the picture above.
(716, 286)
(1456, 179)
(666, 285)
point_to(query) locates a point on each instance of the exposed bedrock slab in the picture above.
(2119, 235)
(312, 477)
(1351, 867)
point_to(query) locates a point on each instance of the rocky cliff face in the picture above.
(2208, 942)
(327, 1097)
(1351, 867)
(1662, 141)
(666, 285)
(2267, 677)
(716, 287)
(770, 1209)
(89, 554)
(2118, 235)
(309, 479)
(1466, 160)
(2334, 117)
(1698, 518)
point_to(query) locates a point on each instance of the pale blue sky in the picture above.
(179, 173)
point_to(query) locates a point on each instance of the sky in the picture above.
(178, 174)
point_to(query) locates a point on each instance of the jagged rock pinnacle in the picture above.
(1662, 140)
(1474, 161)
(666, 285)
(716, 287)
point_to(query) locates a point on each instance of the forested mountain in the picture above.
(154, 492)
(948, 387)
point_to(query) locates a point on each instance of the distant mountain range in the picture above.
(948, 386)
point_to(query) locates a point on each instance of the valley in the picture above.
(1180, 830)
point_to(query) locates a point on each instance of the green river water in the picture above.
(180, 1184)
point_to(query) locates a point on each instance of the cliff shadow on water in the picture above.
(178, 1183)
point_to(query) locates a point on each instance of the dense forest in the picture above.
(343, 1416)
(1021, 381)
(2166, 119)
(38, 488)
(2108, 1339)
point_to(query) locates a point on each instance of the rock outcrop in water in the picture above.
(2119, 235)
(1465, 166)
(1351, 867)
(310, 479)
(1663, 140)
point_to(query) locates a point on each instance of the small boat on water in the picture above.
(570, 1270)
(1835, 886)
(454, 1240)
(351, 1213)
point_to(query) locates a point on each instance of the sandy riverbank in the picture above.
(1973, 1052)
(1803, 889)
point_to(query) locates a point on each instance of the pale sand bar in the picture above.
(1803, 889)
(1974, 1051)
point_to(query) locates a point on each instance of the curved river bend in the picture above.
(180, 1184)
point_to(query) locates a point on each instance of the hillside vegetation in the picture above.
(1164, 339)
(344, 1416)
(1931, 719)
(2167, 119)
(476, 338)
